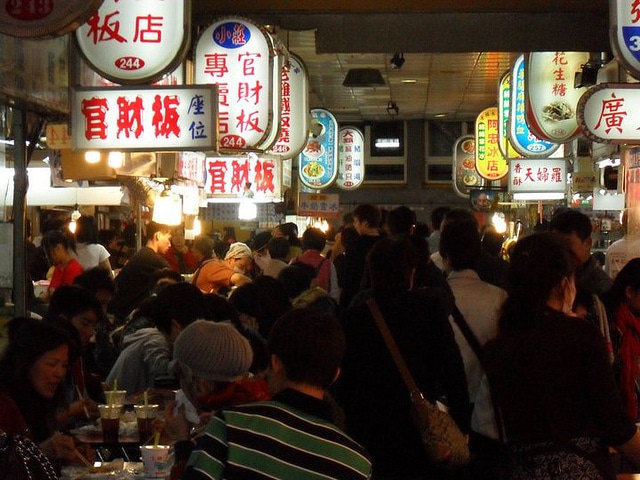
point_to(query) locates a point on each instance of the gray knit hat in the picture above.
(213, 351)
(238, 250)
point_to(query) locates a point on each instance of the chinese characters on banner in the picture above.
(129, 41)
(319, 159)
(625, 33)
(552, 100)
(504, 100)
(228, 176)
(151, 118)
(294, 111)
(490, 163)
(191, 167)
(520, 135)
(318, 205)
(527, 176)
(606, 113)
(350, 158)
(240, 58)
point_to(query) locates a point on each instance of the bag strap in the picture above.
(469, 336)
(194, 280)
(392, 346)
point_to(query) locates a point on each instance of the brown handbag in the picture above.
(443, 442)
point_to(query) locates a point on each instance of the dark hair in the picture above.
(313, 239)
(105, 236)
(219, 309)
(310, 345)
(348, 236)
(163, 274)
(347, 218)
(29, 339)
(220, 248)
(460, 244)
(153, 227)
(204, 243)
(95, 279)
(491, 241)
(70, 300)
(58, 237)
(460, 215)
(401, 220)
(437, 215)
(86, 230)
(571, 221)
(296, 278)
(391, 262)
(181, 302)
(538, 263)
(368, 213)
(290, 231)
(629, 276)
(278, 248)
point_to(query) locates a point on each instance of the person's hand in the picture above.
(176, 425)
(59, 446)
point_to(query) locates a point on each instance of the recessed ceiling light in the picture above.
(440, 115)
(408, 80)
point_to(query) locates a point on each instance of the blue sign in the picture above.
(232, 35)
(319, 158)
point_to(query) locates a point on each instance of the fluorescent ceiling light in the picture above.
(387, 143)
(539, 196)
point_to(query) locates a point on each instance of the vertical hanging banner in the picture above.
(552, 99)
(350, 158)
(624, 33)
(490, 163)
(133, 42)
(294, 116)
(242, 59)
(504, 105)
(523, 140)
(319, 159)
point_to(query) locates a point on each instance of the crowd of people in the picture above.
(280, 369)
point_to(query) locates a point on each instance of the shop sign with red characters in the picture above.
(537, 175)
(325, 205)
(350, 158)
(294, 115)
(490, 163)
(145, 118)
(243, 60)
(233, 177)
(552, 99)
(133, 41)
(43, 18)
(608, 113)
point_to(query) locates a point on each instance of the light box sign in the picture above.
(240, 57)
(537, 175)
(624, 33)
(504, 105)
(294, 113)
(191, 167)
(145, 118)
(38, 19)
(520, 135)
(490, 163)
(319, 159)
(608, 113)
(552, 100)
(319, 205)
(350, 158)
(132, 42)
(227, 177)
(464, 166)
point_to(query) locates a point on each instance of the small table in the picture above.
(128, 445)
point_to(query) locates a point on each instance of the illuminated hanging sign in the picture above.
(552, 100)
(129, 41)
(191, 167)
(624, 33)
(228, 177)
(319, 159)
(350, 158)
(521, 137)
(242, 59)
(504, 101)
(534, 176)
(490, 163)
(318, 205)
(145, 118)
(38, 19)
(607, 113)
(465, 174)
(294, 114)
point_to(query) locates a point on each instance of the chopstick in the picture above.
(84, 406)
(83, 459)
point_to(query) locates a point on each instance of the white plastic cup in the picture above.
(116, 397)
(155, 461)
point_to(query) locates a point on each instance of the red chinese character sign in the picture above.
(43, 18)
(624, 33)
(325, 205)
(607, 113)
(294, 114)
(241, 58)
(133, 41)
(227, 178)
(319, 159)
(145, 118)
(464, 166)
(552, 100)
(350, 158)
(537, 176)
(490, 163)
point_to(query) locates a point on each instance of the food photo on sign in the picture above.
(485, 200)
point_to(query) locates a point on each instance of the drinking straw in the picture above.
(112, 393)
(83, 459)
(156, 439)
(81, 398)
(146, 400)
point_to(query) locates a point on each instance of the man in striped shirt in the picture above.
(292, 436)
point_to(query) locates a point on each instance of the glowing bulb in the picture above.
(197, 228)
(72, 226)
(115, 159)
(92, 156)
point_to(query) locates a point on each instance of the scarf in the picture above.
(245, 390)
(629, 325)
